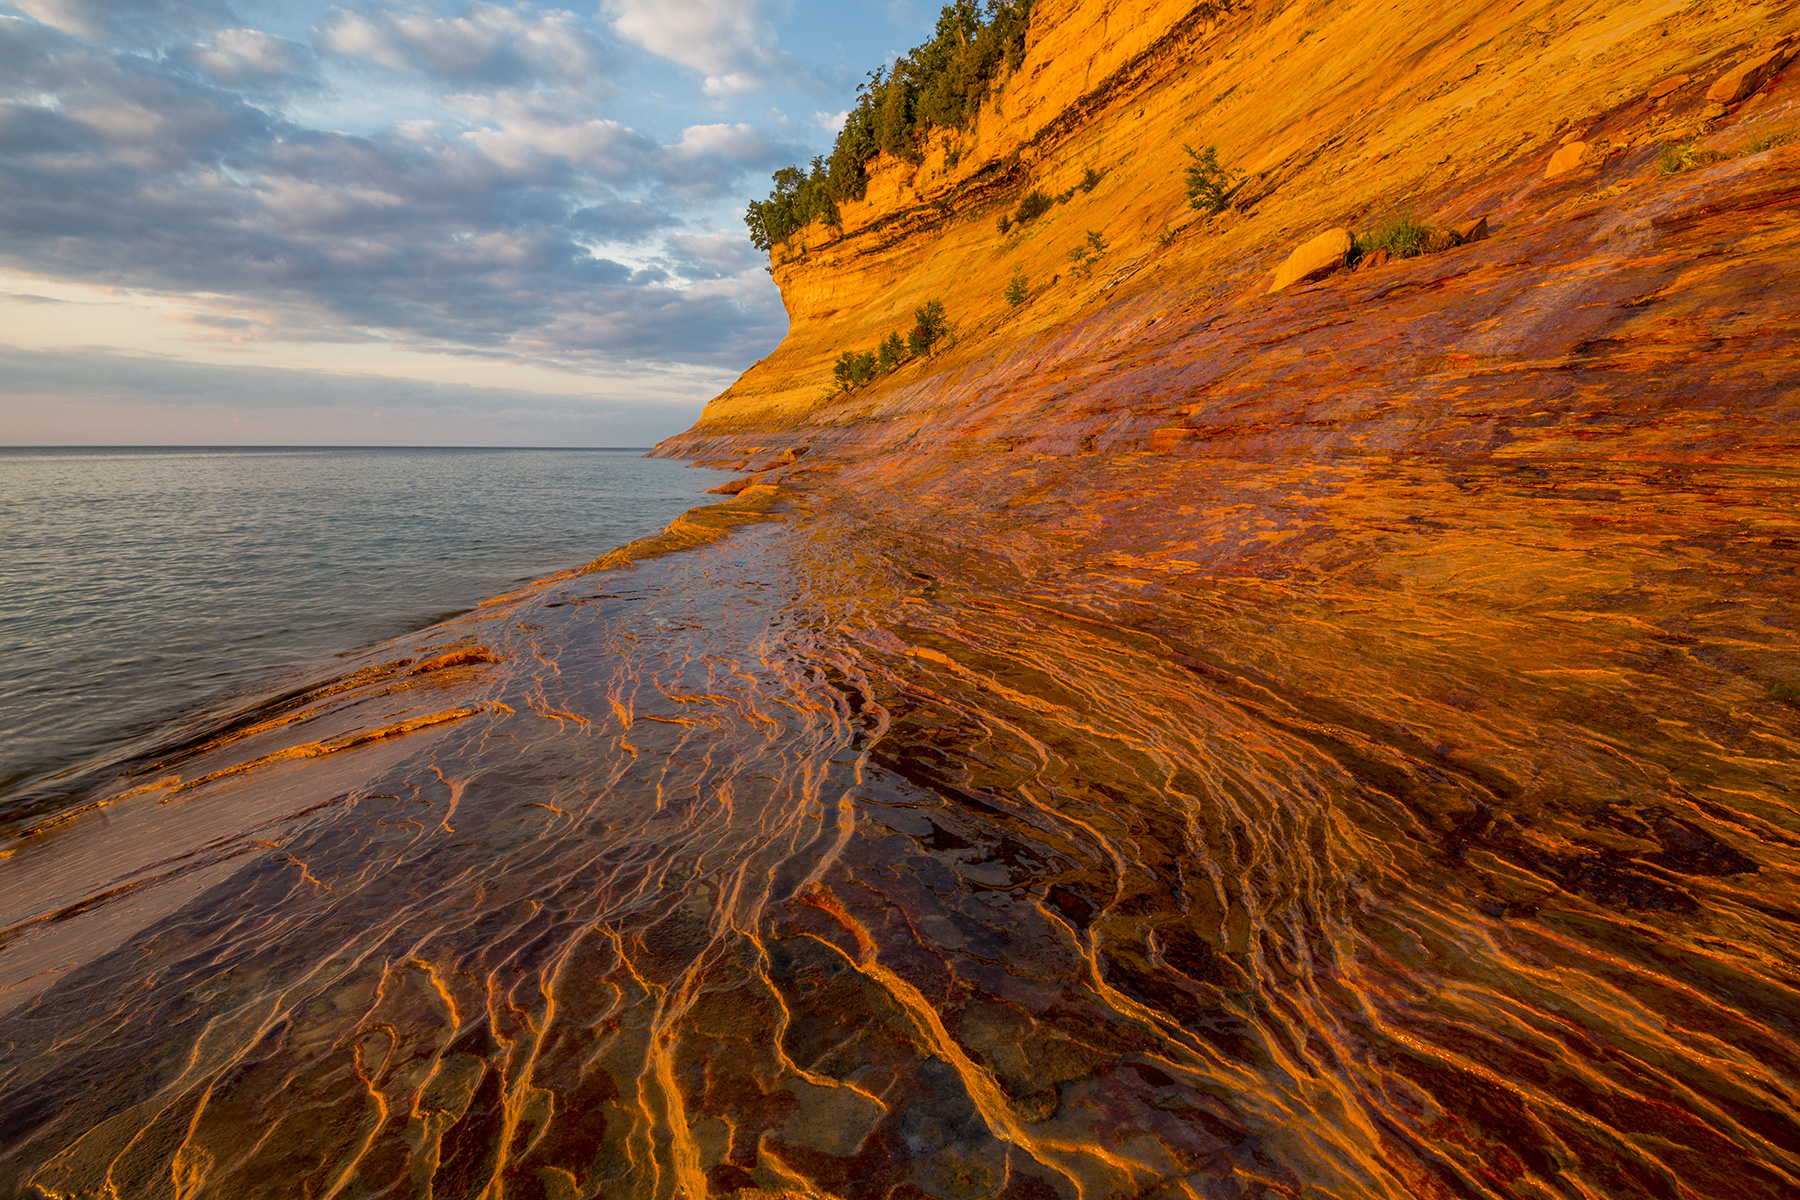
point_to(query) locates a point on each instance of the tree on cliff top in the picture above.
(798, 200)
(938, 85)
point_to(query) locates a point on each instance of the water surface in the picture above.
(139, 585)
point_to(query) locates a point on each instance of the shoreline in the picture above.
(1036, 840)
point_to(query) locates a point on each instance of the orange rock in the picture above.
(1375, 258)
(1672, 83)
(1565, 160)
(1314, 259)
(1743, 79)
(1472, 231)
(734, 486)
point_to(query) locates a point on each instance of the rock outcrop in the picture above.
(1314, 258)
(1173, 741)
(1745, 78)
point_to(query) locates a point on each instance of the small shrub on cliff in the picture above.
(1686, 157)
(930, 326)
(1034, 204)
(1019, 290)
(1768, 141)
(852, 370)
(1209, 185)
(1090, 181)
(1082, 258)
(1403, 237)
(891, 353)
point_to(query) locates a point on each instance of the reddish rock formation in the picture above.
(1177, 741)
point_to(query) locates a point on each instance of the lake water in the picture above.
(142, 586)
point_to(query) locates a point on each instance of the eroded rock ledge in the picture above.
(1180, 741)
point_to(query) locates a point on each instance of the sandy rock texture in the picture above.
(1180, 740)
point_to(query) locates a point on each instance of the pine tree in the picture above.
(1019, 290)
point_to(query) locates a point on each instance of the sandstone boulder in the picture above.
(1743, 79)
(1314, 259)
(1659, 90)
(1565, 160)
(1377, 257)
(1472, 231)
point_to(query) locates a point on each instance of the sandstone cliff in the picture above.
(1184, 740)
(1342, 115)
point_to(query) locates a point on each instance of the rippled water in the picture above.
(136, 585)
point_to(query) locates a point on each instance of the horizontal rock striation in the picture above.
(1179, 740)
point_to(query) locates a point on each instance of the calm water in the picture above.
(137, 586)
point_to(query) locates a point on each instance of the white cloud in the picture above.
(489, 44)
(729, 42)
(70, 16)
(525, 132)
(236, 57)
(137, 21)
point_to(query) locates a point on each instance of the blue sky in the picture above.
(414, 223)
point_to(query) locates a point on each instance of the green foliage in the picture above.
(1673, 159)
(929, 327)
(1209, 185)
(891, 353)
(852, 370)
(798, 200)
(1082, 258)
(1090, 181)
(939, 85)
(1034, 204)
(1403, 237)
(1019, 289)
(894, 121)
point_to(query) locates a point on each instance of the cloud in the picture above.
(716, 256)
(133, 21)
(509, 238)
(489, 45)
(712, 158)
(248, 58)
(729, 42)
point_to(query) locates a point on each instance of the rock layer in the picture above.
(1178, 741)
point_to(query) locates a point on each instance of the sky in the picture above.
(433, 223)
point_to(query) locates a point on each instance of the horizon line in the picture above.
(283, 446)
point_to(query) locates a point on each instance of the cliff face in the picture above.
(1605, 277)
(1180, 741)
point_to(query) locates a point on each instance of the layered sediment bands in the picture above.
(857, 856)
(1178, 742)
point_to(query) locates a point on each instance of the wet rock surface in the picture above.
(1386, 829)
(1189, 742)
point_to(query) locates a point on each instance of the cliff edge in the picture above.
(1591, 320)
